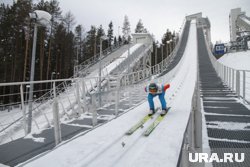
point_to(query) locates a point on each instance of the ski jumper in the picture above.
(160, 93)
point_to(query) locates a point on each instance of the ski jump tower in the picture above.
(202, 22)
(147, 40)
(239, 26)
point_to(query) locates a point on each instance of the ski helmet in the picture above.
(153, 88)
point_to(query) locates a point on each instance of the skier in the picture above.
(153, 90)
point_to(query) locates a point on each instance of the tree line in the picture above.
(59, 47)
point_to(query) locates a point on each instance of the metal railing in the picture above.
(236, 79)
(82, 67)
(65, 84)
(76, 96)
(75, 99)
(192, 138)
(65, 89)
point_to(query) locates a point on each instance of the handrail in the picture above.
(111, 48)
(192, 137)
(145, 73)
(91, 61)
(61, 80)
(231, 76)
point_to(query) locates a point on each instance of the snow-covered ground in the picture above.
(66, 100)
(237, 60)
(91, 78)
(103, 146)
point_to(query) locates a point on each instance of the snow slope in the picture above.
(65, 100)
(103, 146)
(237, 60)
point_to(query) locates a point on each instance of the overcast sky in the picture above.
(156, 15)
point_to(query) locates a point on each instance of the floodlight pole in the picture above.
(32, 78)
(40, 18)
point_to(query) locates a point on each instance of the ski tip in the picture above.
(128, 133)
(146, 134)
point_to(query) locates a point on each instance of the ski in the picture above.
(154, 124)
(139, 124)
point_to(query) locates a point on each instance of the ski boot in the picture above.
(164, 112)
(151, 112)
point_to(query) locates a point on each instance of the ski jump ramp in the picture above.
(108, 146)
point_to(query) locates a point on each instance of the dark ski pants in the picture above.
(162, 100)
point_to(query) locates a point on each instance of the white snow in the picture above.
(246, 20)
(229, 140)
(43, 17)
(229, 125)
(66, 99)
(91, 79)
(103, 146)
(237, 60)
(108, 146)
(35, 139)
(228, 115)
(205, 138)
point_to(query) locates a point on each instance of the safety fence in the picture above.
(42, 106)
(192, 138)
(236, 79)
(80, 68)
(74, 97)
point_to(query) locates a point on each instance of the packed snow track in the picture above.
(108, 145)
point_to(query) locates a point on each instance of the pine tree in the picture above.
(68, 61)
(55, 12)
(5, 58)
(100, 33)
(167, 40)
(69, 21)
(119, 40)
(12, 35)
(91, 42)
(79, 41)
(42, 6)
(140, 28)
(110, 34)
(173, 40)
(115, 42)
(60, 35)
(126, 29)
(54, 45)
